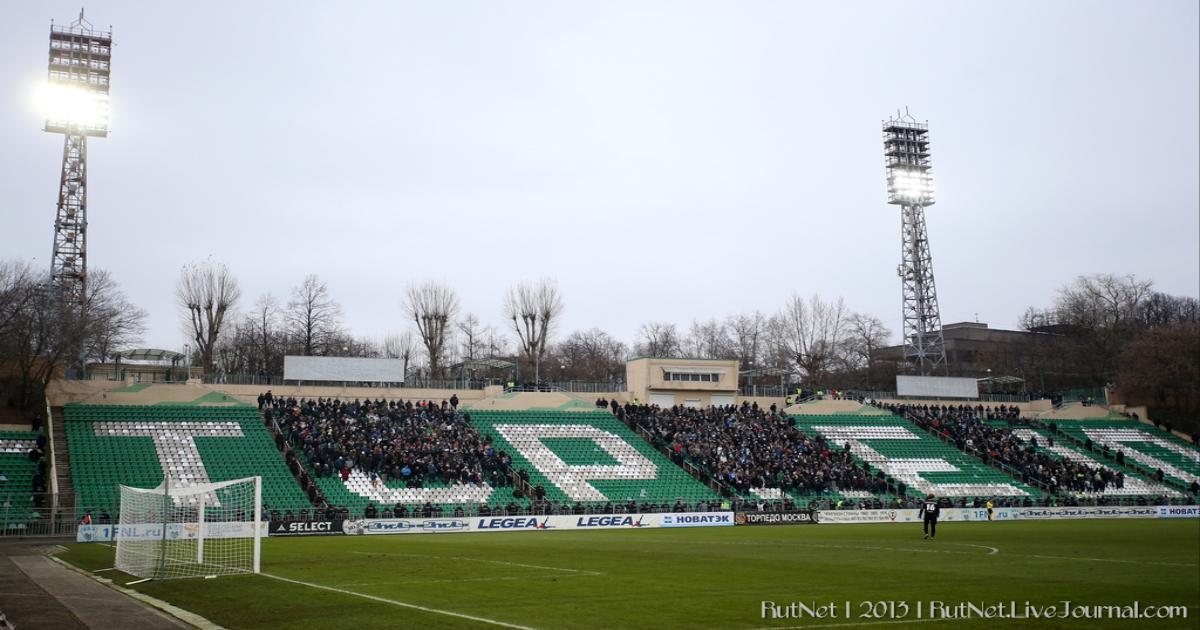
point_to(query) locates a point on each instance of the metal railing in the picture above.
(36, 519)
(589, 387)
(268, 380)
(764, 391)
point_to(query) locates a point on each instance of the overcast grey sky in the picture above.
(662, 160)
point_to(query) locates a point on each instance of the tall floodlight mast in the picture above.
(910, 186)
(76, 105)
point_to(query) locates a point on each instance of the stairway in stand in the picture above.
(62, 460)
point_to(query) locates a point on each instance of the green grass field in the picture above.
(694, 578)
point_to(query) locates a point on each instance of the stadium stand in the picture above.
(918, 459)
(758, 454)
(400, 458)
(1159, 451)
(133, 445)
(1106, 480)
(393, 456)
(589, 457)
(24, 468)
(989, 434)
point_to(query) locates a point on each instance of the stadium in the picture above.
(295, 463)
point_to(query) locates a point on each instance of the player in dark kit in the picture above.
(930, 511)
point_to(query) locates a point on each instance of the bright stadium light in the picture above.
(75, 100)
(67, 106)
(906, 152)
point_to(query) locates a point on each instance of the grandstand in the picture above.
(18, 470)
(909, 454)
(589, 457)
(135, 445)
(1134, 484)
(1142, 444)
(577, 454)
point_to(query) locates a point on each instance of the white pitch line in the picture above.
(392, 602)
(990, 553)
(503, 562)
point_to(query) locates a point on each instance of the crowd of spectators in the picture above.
(966, 427)
(747, 447)
(393, 442)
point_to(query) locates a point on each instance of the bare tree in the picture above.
(314, 319)
(865, 335)
(267, 335)
(432, 307)
(658, 339)
(708, 340)
(592, 355)
(206, 293)
(17, 279)
(41, 333)
(114, 322)
(811, 334)
(533, 310)
(402, 347)
(474, 345)
(748, 332)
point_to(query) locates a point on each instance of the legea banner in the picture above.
(535, 523)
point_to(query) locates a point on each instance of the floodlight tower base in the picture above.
(924, 345)
(68, 267)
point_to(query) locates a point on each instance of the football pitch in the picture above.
(881, 575)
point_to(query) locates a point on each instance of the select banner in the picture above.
(307, 528)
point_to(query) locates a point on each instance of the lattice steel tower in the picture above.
(76, 103)
(910, 186)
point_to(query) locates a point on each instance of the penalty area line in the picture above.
(392, 602)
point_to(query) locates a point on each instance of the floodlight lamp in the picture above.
(910, 186)
(69, 106)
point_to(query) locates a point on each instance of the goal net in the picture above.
(199, 530)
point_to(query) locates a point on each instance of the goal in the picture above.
(200, 530)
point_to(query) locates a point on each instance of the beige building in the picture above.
(690, 382)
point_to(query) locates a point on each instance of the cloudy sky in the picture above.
(663, 160)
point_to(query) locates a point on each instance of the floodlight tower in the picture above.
(910, 186)
(76, 103)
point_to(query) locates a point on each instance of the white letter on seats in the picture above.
(573, 480)
(175, 445)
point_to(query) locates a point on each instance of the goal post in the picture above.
(198, 530)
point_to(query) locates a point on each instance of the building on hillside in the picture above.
(142, 365)
(689, 382)
(974, 349)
